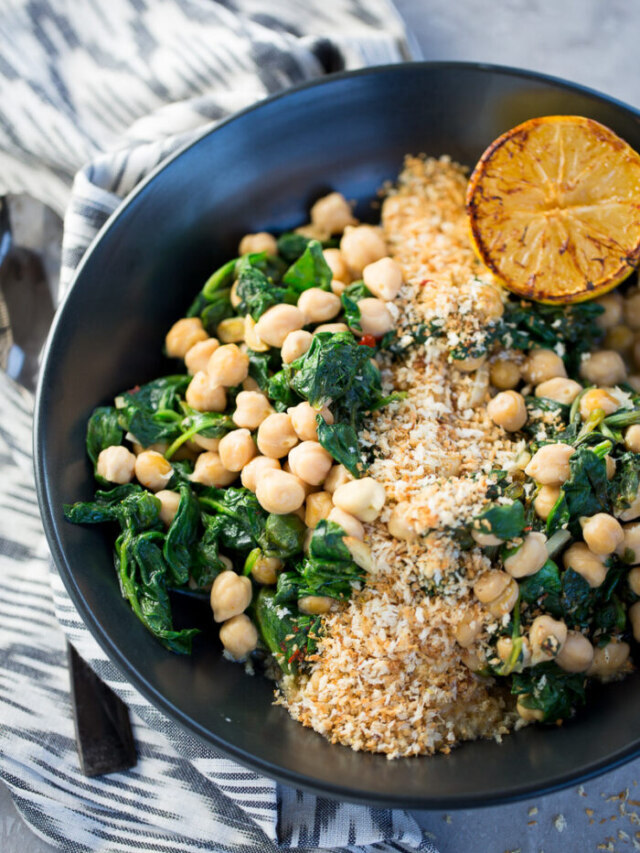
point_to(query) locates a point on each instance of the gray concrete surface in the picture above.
(594, 42)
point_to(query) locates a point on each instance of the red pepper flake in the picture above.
(367, 341)
(297, 655)
(133, 390)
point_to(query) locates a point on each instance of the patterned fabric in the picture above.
(105, 91)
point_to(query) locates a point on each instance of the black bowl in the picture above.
(261, 170)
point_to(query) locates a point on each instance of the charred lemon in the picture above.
(554, 209)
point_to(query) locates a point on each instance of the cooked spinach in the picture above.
(289, 635)
(341, 440)
(282, 536)
(350, 297)
(182, 536)
(547, 688)
(103, 430)
(506, 521)
(586, 492)
(206, 424)
(577, 599)
(238, 517)
(309, 270)
(543, 589)
(624, 485)
(255, 291)
(152, 413)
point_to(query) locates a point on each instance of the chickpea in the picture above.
(632, 310)
(205, 395)
(505, 374)
(317, 507)
(253, 470)
(337, 264)
(547, 636)
(632, 438)
(399, 524)
(550, 464)
(559, 389)
(311, 462)
(576, 655)
(383, 278)
(633, 578)
(468, 365)
(468, 629)
(473, 659)
(603, 368)
(183, 335)
(632, 511)
(262, 241)
(545, 501)
(337, 476)
(308, 488)
(508, 410)
(363, 498)
(295, 345)
(152, 470)
(610, 465)
(338, 287)
(491, 586)
(619, 338)
(265, 570)
(612, 304)
(318, 305)
(629, 548)
(602, 532)
(349, 523)
(234, 299)
(303, 419)
(583, 561)
(116, 464)
(531, 715)
(529, 558)
(198, 356)
(228, 366)
(361, 246)
(279, 492)
(209, 471)
(505, 602)
(251, 337)
(597, 398)
(276, 435)
(169, 503)
(360, 552)
(542, 364)
(634, 381)
(276, 323)
(485, 540)
(332, 213)
(231, 330)
(250, 384)
(375, 318)
(230, 595)
(236, 449)
(315, 605)
(334, 328)
(504, 648)
(634, 618)
(205, 443)
(239, 636)
(609, 660)
(252, 408)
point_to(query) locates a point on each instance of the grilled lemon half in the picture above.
(554, 209)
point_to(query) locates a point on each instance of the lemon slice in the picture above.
(554, 209)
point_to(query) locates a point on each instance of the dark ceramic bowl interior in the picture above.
(261, 170)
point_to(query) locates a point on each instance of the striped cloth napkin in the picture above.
(93, 96)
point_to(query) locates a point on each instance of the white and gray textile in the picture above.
(93, 95)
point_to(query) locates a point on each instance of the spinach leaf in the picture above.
(206, 564)
(280, 392)
(142, 573)
(239, 520)
(506, 521)
(559, 517)
(152, 412)
(292, 245)
(547, 688)
(103, 430)
(105, 507)
(543, 589)
(350, 297)
(577, 600)
(586, 491)
(624, 485)
(181, 537)
(282, 536)
(259, 363)
(221, 279)
(341, 440)
(290, 636)
(309, 270)
(255, 291)
(327, 543)
(206, 424)
(217, 309)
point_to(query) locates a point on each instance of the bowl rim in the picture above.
(247, 759)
